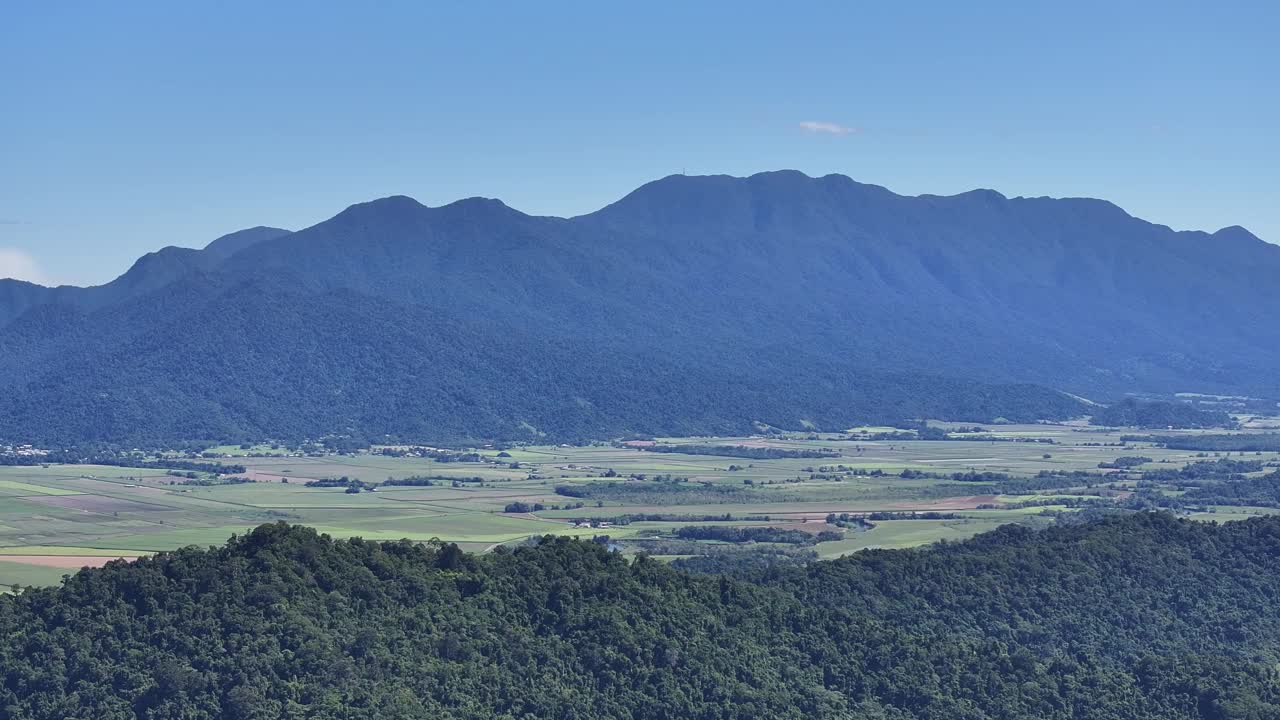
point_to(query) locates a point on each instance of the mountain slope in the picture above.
(151, 272)
(1143, 617)
(334, 361)
(778, 298)
(228, 245)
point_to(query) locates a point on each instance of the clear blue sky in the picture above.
(127, 126)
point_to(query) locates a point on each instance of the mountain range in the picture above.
(694, 305)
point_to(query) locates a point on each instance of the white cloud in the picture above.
(830, 128)
(19, 265)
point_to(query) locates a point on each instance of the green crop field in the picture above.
(16, 488)
(61, 514)
(890, 534)
(12, 574)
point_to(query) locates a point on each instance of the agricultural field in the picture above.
(780, 493)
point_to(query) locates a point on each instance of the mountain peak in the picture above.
(1237, 234)
(390, 205)
(982, 194)
(479, 206)
(784, 175)
(777, 199)
(232, 243)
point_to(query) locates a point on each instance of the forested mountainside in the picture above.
(1143, 617)
(1133, 413)
(778, 298)
(151, 272)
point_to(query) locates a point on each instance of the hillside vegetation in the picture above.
(1143, 617)
(1134, 413)
(695, 305)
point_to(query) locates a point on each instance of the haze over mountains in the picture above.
(692, 305)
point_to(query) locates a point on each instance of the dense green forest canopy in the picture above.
(1227, 442)
(1143, 617)
(1160, 414)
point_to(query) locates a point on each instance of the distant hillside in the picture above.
(1135, 413)
(694, 304)
(1144, 617)
(151, 272)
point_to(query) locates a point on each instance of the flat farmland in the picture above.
(897, 534)
(54, 519)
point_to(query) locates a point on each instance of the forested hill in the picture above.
(1144, 617)
(151, 272)
(694, 304)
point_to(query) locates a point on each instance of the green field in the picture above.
(892, 534)
(105, 511)
(12, 574)
(16, 488)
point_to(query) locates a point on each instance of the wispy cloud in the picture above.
(829, 128)
(20, 265)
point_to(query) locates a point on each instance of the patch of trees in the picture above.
(929, 515)
(520, 506)
(892, 435)
(1073, 502)
(680, 491)
(987, 482)
(628, 518)
(1045, 480)
(1259, 492)
(330, 482)
(967, 476)
(352, 486)
(418, 481)
(1015, 624)
(112, 459)
(1124, 462)
(1221, 469)
(980, 476)
(866, 521)
(1230, 442)
(737, 560)
(926, 431)
(741, 451)
(743, 534)
(437, 454)
(1160, 414)
(209, 482)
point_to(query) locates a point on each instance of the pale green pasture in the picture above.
(475, 527)
(21, 488)
(891, 534)
(1228, 513)
(12, 573)
(62, 550)
(170, 539)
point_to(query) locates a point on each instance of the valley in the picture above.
(639, 361)
(894, 489)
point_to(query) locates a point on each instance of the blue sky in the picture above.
(125, 127)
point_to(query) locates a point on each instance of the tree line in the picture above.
(1145, 617)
